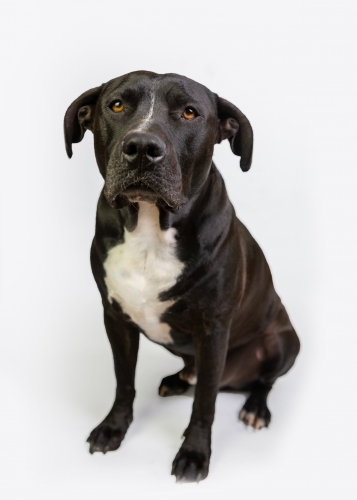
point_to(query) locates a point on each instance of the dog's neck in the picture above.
(148, 220)
(131, 213)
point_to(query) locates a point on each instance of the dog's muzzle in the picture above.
(143, 168)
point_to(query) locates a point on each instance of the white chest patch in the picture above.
(142, 267)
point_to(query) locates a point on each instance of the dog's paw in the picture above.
(255, 413)
(190, 466)
(106, 437)
(173, 386)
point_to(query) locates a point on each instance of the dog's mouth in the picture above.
(151, 187)
(140, 191)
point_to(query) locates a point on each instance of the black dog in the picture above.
(172, 261)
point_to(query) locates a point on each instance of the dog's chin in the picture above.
(140, 192)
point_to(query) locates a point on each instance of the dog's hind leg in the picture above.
(255, 367)
(180, 382)
(242, 374)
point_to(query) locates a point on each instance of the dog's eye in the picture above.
(189, 113)
(117, 106)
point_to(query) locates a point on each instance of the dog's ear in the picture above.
(79, 117)
(235, 127)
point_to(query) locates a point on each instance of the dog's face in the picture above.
(154, 136)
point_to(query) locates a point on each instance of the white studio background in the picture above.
(290, 67)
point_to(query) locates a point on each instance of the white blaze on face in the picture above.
(148, 117)
(142, 267)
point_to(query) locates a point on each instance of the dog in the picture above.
(172, 261)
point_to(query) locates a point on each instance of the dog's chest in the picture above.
(142, 267)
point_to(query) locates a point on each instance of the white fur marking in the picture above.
(147, 119)
(142, 267)
(191, 379)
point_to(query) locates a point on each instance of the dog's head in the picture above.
(154, 136)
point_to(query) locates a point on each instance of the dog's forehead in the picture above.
(145, 83)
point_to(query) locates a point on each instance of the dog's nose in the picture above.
(140, 148)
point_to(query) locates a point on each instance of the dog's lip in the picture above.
(139, 186)
(140, 191)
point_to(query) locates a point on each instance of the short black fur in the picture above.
(227, 322)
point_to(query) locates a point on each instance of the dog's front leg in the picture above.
(192, 461)
(124, 340)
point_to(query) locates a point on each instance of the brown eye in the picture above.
(189, 114)
(117, 106)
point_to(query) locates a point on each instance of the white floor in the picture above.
(62, 385)
(290, 66)
(65, 393)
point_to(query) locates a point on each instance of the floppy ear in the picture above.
(79, 117)
(235, 127)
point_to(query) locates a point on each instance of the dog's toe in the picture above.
(255, 413)
(259, 423)
(105, 438)
(190, 466)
